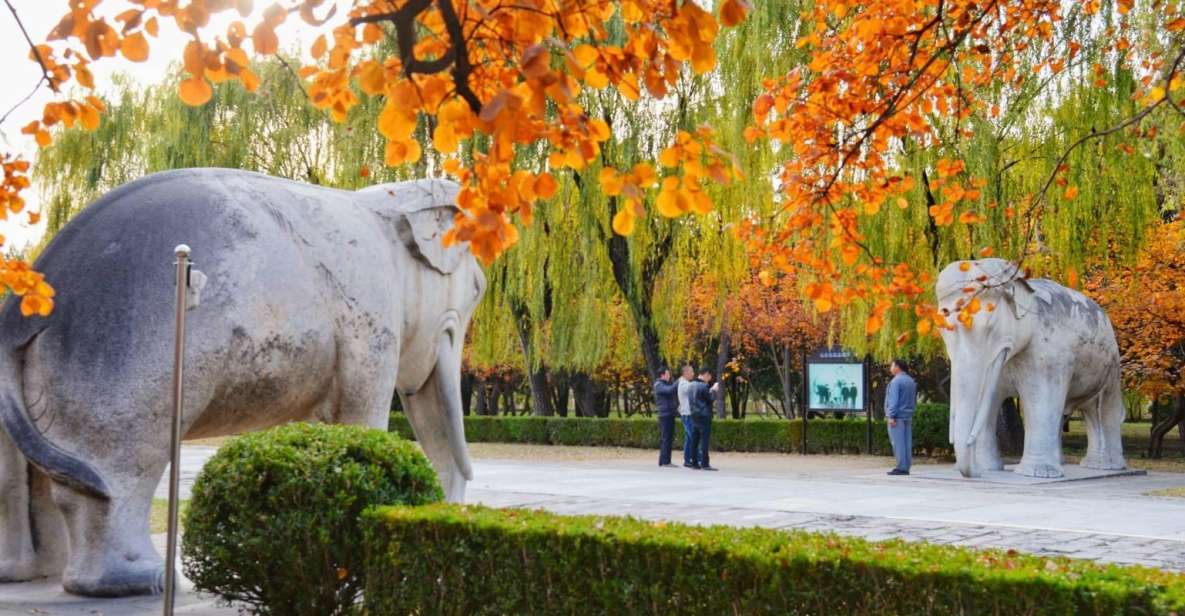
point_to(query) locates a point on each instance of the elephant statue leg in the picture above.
(1043, 400)
(111, 552)
(987, 446)
(17, 558)
(1104, 426)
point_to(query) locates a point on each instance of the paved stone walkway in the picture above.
(1107, 519)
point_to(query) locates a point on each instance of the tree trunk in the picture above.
(1161, 427)
(1010, 431)
(466, 391)
(560, 391)
(721, 363)
(536, 374)
(480, 387)
(592, 399)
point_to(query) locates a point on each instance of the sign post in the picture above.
(835, 382)
(183, 265)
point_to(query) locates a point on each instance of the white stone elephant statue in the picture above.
(1049, 346)
(308, 303)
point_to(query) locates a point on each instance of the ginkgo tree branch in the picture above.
(456, 58)
(46, 74)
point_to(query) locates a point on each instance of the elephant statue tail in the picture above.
(59, 464)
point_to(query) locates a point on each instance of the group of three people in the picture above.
(692, 399)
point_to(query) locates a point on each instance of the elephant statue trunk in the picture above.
(435, 414)
(972, 406)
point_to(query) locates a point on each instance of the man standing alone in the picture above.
(667, 402)
(685, 387)
(900, 401)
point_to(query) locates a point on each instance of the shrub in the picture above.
(447, 559)
(273, 522)
(775, 435)
(931, 428)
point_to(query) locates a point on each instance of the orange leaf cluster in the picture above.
(15, 275)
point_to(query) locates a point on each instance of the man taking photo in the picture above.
(702, 401)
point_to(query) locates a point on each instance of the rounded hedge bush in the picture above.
(274, 519)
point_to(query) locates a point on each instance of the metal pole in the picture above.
(806, 400)
(182, 264)
(867, 404)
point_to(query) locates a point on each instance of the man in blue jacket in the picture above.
(666, 400)
(702, 400)
(900, 401)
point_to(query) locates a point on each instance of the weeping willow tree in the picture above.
(1054, 136)
(579, 298)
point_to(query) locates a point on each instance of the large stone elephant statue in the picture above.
(307, 303)
(1049, 346)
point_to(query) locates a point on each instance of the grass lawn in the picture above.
(158, 517)
(1173, 492)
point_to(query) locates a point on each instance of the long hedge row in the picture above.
(449, 559)
(823, 435)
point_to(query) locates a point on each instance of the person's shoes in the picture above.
(666, 464)
(897, 471)
(708, 468)
(690, 465)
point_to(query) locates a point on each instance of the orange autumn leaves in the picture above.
(690, 163)
(15, 275)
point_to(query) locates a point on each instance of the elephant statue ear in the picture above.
(425, 217)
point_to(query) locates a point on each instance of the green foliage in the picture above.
(447, 559)
(931, 428)
(823, 435)
(273, 522)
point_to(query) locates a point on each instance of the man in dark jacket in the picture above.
(666, 400)
(702, 401)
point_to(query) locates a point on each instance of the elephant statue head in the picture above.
(983, 302)
(441, 289)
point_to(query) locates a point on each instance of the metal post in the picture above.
(806, 400)
(182, 264)
(867, 404)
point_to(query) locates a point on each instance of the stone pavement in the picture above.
(1105, 519)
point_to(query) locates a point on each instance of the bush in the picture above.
(931, 428)
(447, 559)
(771, 435)
(273, 522)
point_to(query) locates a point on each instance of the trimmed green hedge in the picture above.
(448, 559)
(823, 435)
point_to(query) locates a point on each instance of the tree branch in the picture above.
(46, 74)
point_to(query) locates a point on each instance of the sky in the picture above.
(18, 75)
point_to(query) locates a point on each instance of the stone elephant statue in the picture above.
(1049, 346)
(306, 303)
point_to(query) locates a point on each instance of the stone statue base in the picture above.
(1073, 472)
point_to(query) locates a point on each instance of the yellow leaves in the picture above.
(39, 305)
(39, 134)
(194, 91)
(924, 327)
(545, 186)
(947, 167)
(943, 214)
(733, 12)
(1071, 193)
(623, 221)
(319, 47)
(134, 47)
(964, 266)
(902, 204)
(400, 151)
(1176, 25)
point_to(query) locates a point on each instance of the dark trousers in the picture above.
(701, 437)
(688, 443)
(666, 432)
